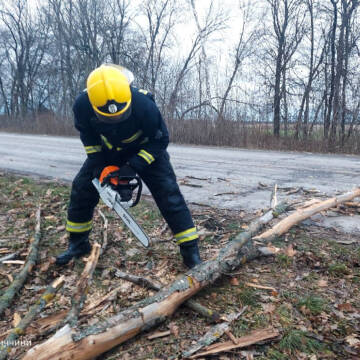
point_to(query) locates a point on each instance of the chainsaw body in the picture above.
(116, 192)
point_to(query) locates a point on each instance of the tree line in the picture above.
(266, 73)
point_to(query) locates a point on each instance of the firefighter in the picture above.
(121, 125)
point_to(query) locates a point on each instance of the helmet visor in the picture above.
(113, 119)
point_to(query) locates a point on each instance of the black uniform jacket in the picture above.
(139, 140)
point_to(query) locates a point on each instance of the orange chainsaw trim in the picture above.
(106, 171)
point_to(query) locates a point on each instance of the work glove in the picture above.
(125, 191)
(127, 170)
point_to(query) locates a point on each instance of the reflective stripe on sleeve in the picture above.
(187, 235)
(92, 149)
(78, 227)
(106, 142)
(146, 156)
(132, 138)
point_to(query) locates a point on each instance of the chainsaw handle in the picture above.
(127, 179)
(138, 194)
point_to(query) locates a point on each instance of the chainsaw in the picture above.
(116, 192)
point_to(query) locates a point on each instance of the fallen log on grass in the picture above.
(90, 341)
(191, 304)
(7, 298)
(304, 213)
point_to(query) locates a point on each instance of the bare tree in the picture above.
(288, 25)
(155, 36)
(339, 74)
(244, 48)
(214, 21)
(24, 43)
(314, 63)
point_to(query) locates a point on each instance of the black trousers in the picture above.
(159, 177)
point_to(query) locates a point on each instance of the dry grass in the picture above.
(241, 134)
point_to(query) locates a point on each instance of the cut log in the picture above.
(304, 213)
(20, 328)
(91, 341)
(7, 298)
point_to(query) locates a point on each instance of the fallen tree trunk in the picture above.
(91, 341)
(191, 304)
(304, 213)
(17, 284)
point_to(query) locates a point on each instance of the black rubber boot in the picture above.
(190, 253)
(78, 246)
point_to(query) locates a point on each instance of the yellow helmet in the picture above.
(109, 94)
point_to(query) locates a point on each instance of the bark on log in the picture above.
(17, 284)
(91, 341)
(19, 330)
(191, 304)
(304, 213)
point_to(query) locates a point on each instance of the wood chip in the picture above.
(257, 286)
(14, 262)
(16, 319)
(159, 334)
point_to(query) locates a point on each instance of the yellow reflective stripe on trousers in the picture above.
(146, 156)
(132, 138)
(106, 142)
(78, 227)
(92, 149)
(186, 235)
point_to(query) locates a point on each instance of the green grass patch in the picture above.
(283, 260)
(296, 340)
(338, 269)
(247, 296)
(314, 304)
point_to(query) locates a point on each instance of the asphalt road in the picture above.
(221, 177)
